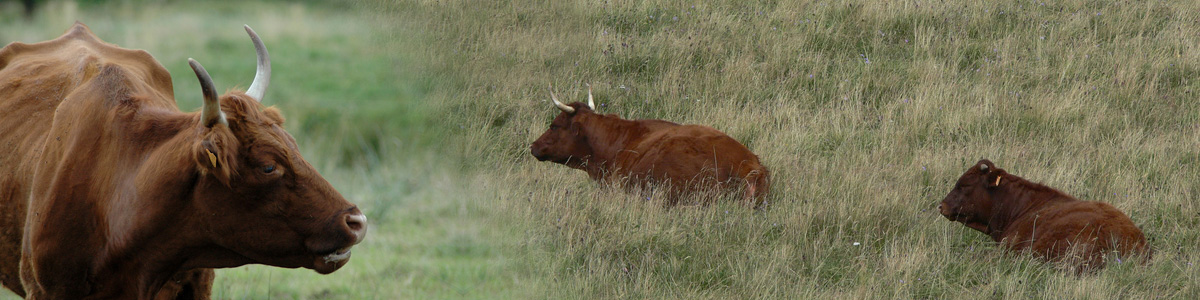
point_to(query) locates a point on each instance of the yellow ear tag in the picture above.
(997, 177)
(212, 158)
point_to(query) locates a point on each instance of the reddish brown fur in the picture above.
(108, 190)
(640, 153)
(1026, 216)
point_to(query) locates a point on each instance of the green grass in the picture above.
(422, 113)
(866, 112)
(356, 107)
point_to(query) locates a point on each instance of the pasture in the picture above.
(422, 112)
(356, 111)
(865, 112)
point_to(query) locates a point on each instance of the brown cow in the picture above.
(642, 153)
(1026, 216)
(109, 191)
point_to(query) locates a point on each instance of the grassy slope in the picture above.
(866, 113)
(1092, 98)
(354, 106)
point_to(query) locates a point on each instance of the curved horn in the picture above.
(591, 104)
(560, 105)
(211, 114)
(262, 77)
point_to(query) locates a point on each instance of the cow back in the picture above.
(1077, 232)
(693, 157)
(76, 81)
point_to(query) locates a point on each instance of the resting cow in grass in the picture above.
(109, 191)
(1030, 217)
(643, 153)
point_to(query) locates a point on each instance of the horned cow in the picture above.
(643, 153)
(1029, 217)
(110, 191)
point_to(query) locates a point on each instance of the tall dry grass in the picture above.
(864, 111)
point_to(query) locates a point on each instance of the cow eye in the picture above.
(268, 169)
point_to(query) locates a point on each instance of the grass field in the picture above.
(357, 110)
(866, 112)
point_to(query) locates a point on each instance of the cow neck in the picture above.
(145, 151)
(608, 136)
(162, 173)
(1018, 198)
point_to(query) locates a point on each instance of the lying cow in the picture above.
(1030, 217)
(641, 153)
(110, 192)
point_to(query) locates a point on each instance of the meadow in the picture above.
(421, 112)
(865, 111)
(357, 112)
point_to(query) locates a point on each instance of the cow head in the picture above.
(565, 141)
(970, 202)
(257, 199)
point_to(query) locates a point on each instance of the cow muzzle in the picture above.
(538, 152)
(947, 212)
(356, 225)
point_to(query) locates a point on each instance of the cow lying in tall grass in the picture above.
(1030, 217)
(643, 153)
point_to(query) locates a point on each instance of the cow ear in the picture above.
(994, 178)
(576, 127)
(213, 156)
(273, 114)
